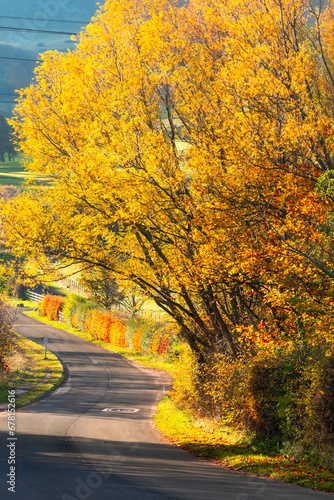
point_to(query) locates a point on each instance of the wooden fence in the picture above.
(73, 284)
(35, 297)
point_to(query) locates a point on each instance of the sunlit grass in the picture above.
(28, 368)
(230, 447)
(25, 303)
(13, 173)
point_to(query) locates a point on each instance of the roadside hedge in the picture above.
(139, 334)
(51, 306)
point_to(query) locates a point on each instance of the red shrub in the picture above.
(51, 306)
(105, 327)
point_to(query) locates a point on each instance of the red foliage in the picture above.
(51, 306)
(160, 343)
(164, 344)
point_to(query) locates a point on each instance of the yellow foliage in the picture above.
(184, 146)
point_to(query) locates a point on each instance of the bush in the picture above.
(139, 333)
(136, 343)
(13, 288)
(117, 332)
(287, 396)
(75, 308)
(105, 327)
(317, 401)
(221, 390)
(78, 314)
(159, 341)
(151, 338)
(3, 284)
(185, 386)
(51, 306)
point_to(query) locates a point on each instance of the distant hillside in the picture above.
(44, 15)
(14, 73)
(67, 16)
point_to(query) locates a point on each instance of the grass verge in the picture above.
(227, 447)
(25, 303)
(14, 173)
(29, 368)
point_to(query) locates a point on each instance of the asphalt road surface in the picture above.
(68, 447)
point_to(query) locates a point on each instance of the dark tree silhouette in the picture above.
(6, 144)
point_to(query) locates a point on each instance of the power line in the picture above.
(19, 59)
(44, 20)
(8, 102)
(2, 93)
(8, 28)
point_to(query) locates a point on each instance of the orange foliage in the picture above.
(136, 340)
(105, 327)
(117, 333)
(164, 344)
(51, 306)
(199, 132)
(160, 343)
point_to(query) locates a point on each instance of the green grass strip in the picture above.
(29, 368)
(225, 446)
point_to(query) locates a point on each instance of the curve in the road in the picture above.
(93, 439)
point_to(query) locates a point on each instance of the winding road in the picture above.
(93, 438)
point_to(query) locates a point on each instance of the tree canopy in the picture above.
(185, 145)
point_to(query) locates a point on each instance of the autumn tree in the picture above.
(102, 286)
(184, 145)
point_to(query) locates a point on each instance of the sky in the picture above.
(24, 16)
(44, 15)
